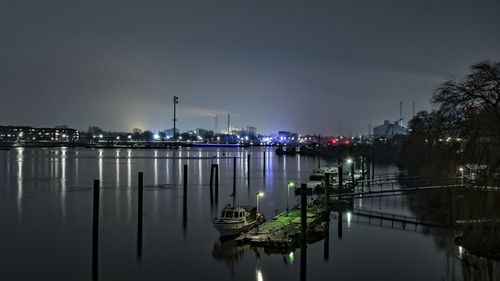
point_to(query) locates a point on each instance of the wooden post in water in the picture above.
(264, 165)
(327, 192)
(303, 231)
(184, 198)
(341, 176)
(140, 191)
(373, 166)
(303, 211)
(248, 168)
(352, 173)
(216, 183)
(234, 176)
(95, 231)
(212, 184)
(340, 225)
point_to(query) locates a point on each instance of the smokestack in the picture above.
(228, 123)
(216, 125)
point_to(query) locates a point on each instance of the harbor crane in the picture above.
(389, 127)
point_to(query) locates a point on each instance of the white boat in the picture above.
(237, 220)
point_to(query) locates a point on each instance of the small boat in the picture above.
(237, 220)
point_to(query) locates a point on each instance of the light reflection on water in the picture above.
(67, 174)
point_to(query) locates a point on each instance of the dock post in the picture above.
(352, 174)
(95, 231)
(303, 211)
(248, 168)
(363, 174)
(327, 192)
(212, 184)
(216, 183)
(140, 189)
(234, 176)
(264, 165)
(184, 198)
(340, 226)
(341, 176)
(373, 166)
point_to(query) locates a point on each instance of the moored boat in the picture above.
(237, 220)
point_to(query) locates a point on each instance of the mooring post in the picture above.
(327, 192)
(95, 231)
(352, 174)
(216, 183)
(248, 168)
(373, 166)
(184, 198)
(234, 176)
(211, 184)
(303, 211)
(140, 189)
(264, 165)
(185, 179)
(340, 226)
(341, 176)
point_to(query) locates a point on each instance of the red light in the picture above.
(346, 142)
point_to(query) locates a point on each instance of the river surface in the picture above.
(46, 222)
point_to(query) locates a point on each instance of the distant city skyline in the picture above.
(305, 67)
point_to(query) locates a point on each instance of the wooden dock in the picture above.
(282, 233)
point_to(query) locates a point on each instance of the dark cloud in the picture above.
(307, 66)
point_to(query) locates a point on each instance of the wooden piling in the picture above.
(341, 177)
(248, 168)
(216, 183)
(373, 165)
(184, 198)
(212, 168)
(352, 173)
(340, 225)
(95, 231)
(327, 191)
(264, 165)
(234, 176)
(140, 190)
(303, 211)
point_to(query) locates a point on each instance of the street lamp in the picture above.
(290, 185)
(259, 194)
(461, 169)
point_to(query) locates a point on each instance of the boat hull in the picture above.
(232, 229)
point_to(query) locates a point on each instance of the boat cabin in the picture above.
(232, 214)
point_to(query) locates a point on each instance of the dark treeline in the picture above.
(465, 129)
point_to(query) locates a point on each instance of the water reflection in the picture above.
(19, 158)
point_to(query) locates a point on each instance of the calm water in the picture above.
(46, 215)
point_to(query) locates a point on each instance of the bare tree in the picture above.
(471, 106)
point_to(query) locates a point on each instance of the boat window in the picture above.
(223, 214)
(236, 214)
(229, 214)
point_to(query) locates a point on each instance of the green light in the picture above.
(291, 257)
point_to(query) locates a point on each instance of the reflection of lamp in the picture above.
(290, 185)
(461, 169)
(258, 275)
(259, 194)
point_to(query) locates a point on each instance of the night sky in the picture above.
(306, 66)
